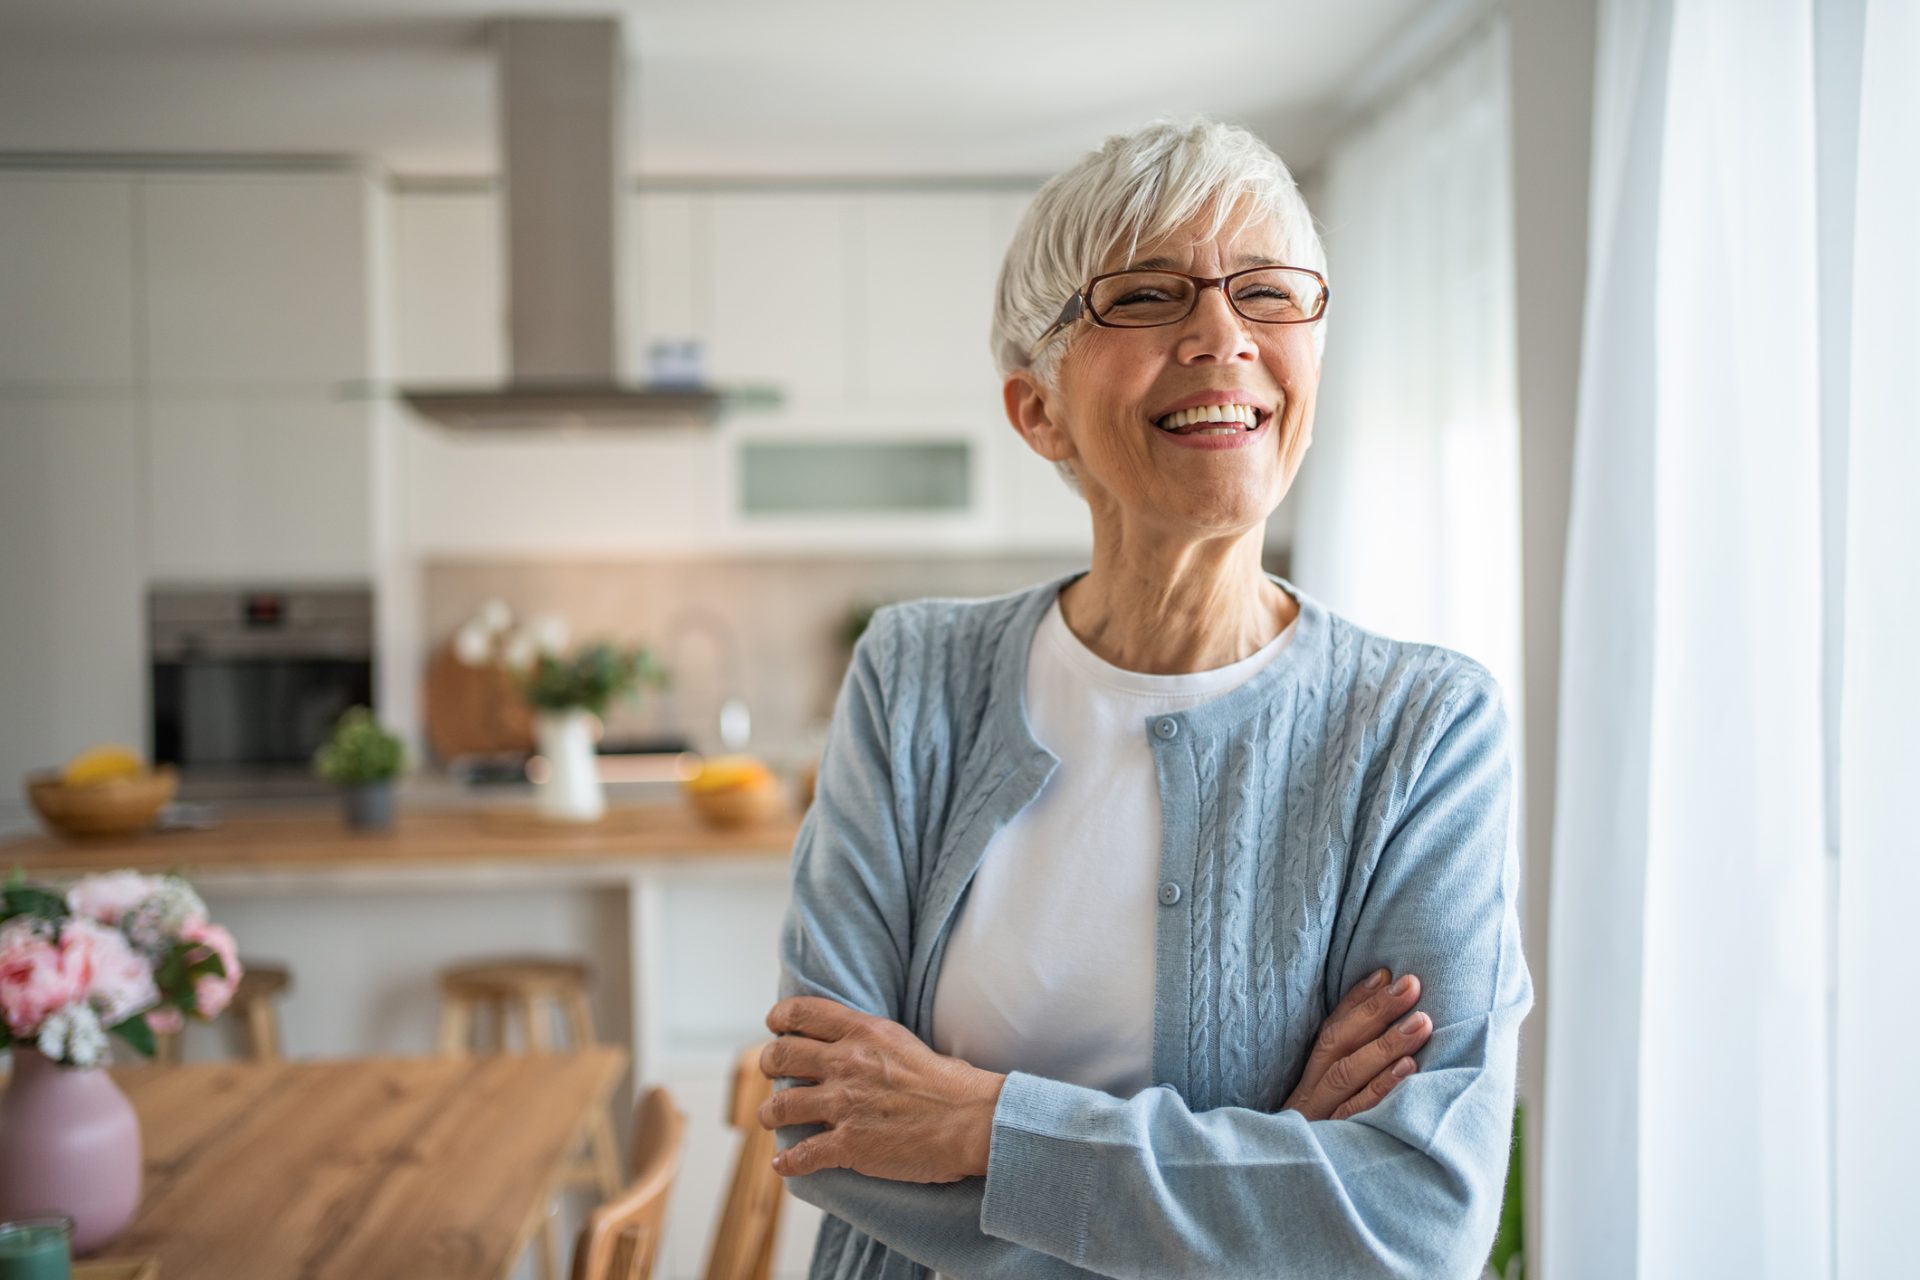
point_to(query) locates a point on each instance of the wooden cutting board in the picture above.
(474, 710)
(117, 1269)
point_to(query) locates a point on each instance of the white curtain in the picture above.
(1877, 1140)
(1407, 510)
(1711, 587)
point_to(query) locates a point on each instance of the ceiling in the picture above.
(716, 87)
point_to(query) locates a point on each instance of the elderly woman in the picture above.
(1118, 893)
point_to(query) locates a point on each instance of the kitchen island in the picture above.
(677, 921)
(309, 841)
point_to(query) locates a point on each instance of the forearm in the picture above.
(935, 1224)
(1144, 1187)
(1082, 1183)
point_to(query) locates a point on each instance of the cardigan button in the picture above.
(1169, 894)
(1167, 727)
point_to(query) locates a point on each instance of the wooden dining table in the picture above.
(374, 1169)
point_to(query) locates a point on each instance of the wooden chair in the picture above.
(621, 1238)
(253, 1003)
(532, 989)
(743, 1240)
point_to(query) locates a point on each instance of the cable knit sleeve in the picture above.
(1411, 1188)
(849, 924)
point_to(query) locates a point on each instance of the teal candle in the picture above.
(36, 1249)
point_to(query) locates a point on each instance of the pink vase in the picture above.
(69, 1143)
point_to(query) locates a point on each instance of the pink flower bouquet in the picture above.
(120, 954)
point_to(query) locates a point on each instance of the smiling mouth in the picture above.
(1213, 420)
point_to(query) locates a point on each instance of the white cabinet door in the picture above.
(66, 281)
(926, 273)
(449, 307)
(668, 287)
(560, 493)
(781, 293)
(71, 578)
(1034, 509)
(256, 279)
(264, 487)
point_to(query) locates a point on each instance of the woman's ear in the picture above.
(1030, 411)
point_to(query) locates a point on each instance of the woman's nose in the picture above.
(1215, 331)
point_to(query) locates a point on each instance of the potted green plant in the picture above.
(569, 694)
(363, 760)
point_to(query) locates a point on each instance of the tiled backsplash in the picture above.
(783, 618)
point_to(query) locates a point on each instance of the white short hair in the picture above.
(1134, 189)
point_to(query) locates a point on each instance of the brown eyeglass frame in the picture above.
(1077, 307)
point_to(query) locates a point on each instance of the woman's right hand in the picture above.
(1365, 1048)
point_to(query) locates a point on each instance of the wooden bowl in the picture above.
(98, 810)
(740, 806)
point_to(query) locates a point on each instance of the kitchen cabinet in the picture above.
(264, 487)
(449, 304)
(66, 282)
(781, 300)
(172, 349)
(927, 472)
(71, 580)
(449, 293)
(855, 477)
(540, 492)
(1034, 510)
(543, 491)
(667, 287)
(256, 280)
(803, 291)
(926, 272)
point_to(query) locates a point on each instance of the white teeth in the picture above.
(1245, 414)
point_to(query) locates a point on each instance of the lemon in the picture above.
(726, 773)
(102, 764)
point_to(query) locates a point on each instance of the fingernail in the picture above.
(1401, 987)
(1403, 1068)
(1410, 1025)
(1379, 976)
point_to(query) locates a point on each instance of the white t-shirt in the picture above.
(1050, 966)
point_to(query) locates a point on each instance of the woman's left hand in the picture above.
(893, 1107)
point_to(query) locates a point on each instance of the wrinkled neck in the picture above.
(1196, 608)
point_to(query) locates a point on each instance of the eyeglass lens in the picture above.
(1273, 295)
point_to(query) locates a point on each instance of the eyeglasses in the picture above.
(1147, 299)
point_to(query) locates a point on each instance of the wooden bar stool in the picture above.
(532, 990)
(253, 1004)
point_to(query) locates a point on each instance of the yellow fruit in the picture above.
(726, 773)
(102, 764)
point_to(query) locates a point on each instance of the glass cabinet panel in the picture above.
(854, 477)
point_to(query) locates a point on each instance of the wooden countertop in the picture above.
(318, 839)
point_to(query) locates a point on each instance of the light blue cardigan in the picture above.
(1347, 808)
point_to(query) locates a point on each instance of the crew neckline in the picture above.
(1301, 666)
(1053, 630)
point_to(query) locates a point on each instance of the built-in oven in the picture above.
(246, 683)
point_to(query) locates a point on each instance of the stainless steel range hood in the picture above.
(561, 90)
